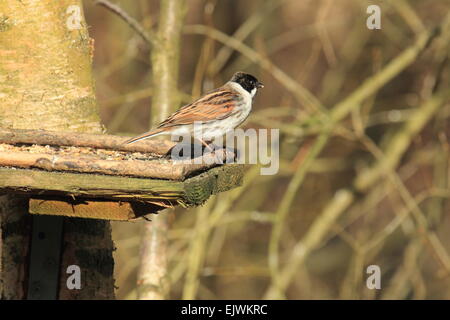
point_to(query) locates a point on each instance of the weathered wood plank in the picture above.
(86, 185)
(86, 209)
(153, 168)
(76, 139)
(193, 191)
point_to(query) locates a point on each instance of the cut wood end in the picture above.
(92, 209)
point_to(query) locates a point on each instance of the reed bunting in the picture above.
(218, 111)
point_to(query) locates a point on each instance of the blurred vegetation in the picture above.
(363, 118)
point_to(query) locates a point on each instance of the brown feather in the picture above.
(144, 136)
(215, 105)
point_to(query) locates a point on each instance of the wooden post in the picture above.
(46, 82)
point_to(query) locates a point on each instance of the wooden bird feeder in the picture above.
(96, 176)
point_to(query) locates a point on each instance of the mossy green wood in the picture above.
(193, 191)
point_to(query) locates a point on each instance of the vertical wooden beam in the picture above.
(45, 258)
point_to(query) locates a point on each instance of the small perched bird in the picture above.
(218, 111)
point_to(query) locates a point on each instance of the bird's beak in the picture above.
(260, 85)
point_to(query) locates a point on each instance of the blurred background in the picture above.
(311, 231)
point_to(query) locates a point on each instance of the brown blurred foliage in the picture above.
(398, 222)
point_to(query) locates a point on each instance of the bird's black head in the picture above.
(247, 81)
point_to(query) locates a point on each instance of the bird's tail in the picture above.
(146, 135)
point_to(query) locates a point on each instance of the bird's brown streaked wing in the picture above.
(216, 105)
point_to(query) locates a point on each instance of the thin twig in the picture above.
(309, 242)
(280, 281)
(303, 95)
(242, 33)
(147, 36)
(287, 200)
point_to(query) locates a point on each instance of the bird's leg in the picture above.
(205, 144)
(211, 150)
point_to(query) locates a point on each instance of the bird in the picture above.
(218, 111)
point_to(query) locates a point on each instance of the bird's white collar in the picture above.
(242, 91)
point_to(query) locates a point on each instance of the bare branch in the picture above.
(147, 36)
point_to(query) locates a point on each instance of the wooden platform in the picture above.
(96, 176)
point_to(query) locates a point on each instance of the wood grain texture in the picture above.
(135, 168)
(76, 139)
(193, 191)
(85, 209)
(95, 153)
